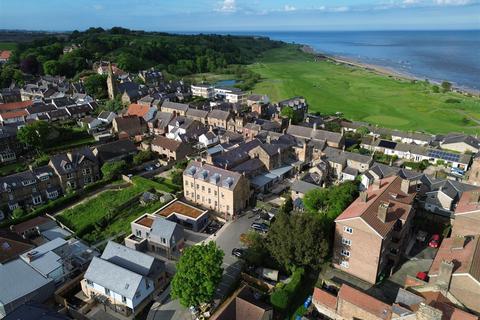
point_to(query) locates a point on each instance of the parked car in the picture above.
(149, 168)
(260, 227)
(237, 252)
(434, 241)
(422, 276)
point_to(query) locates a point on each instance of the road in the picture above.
(227, 238)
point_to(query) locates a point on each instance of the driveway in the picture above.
(227, 238)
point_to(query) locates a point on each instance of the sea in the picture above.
(452, 56)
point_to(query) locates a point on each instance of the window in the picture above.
(191, 184)
(138, 233)
(147, 284)
(345, 253)
(186, 183)
(164, 240)
(203, 188)
(209, 201)
(87, 171)
(345, 264)
(36, 200)
(87, 179)
(89, 282)
(215, 192)
(348, 230)
(228, 208)
(222, 195)
(124, 299)
(107, 292)
(198, 187)
(346, 241)
(186, 192)
(70, 175)
(209, 190)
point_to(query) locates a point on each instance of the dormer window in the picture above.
(68, 166)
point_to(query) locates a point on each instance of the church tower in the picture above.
(111, 83)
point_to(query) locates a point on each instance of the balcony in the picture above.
(137, 243)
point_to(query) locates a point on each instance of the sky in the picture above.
(240, 15)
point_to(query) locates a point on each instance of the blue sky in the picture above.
(240, 15)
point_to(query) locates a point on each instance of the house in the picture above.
(244, 304)
(218, 189)
(203, 90)
(33, 227)
(460, 143)
(144, 111)
(455, 269)
(90, 123)
(13, 116)
(207, 139)
(467, 214)
(76, 168)
(12, 245)
(346, 163)
(412, 137)
(58, 115)
(10, 94)
(51, 259)
(30, 188)
(121, 278)
(197, 114)
(131, 126)
(333, 139)
(297, 104)
(35, 310)
(179, 109)
(151, 77)
(441, 196)
(156, 234)
(79, 111)
(184, 129)
(24, 284)
(371, 234)
(171, 149)
(10, 147)
(159, 125)
(257, 99)
(218, 118)
(299, 188)
(115, 151)
(107, 117)
(184, 214)
(474, 173)
(236, 96)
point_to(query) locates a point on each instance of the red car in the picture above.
(422, 276)
(434, 241)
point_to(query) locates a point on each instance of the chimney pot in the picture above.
(405, 186)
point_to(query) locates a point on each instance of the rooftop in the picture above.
(179, 207)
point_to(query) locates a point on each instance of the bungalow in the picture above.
(460, 143)
(412, 137)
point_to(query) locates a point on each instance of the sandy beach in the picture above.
(384, 71)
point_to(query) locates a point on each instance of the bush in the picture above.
(283, 296)
(142, 156)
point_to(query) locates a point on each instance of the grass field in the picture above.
(98, 219)
(364, 95)
(7, 46)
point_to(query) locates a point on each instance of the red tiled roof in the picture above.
(5, 54)
(465, 204)
(466, 260)
(13, 114)
(5, 107)
(137, 110)
(324, 298)
(400, 205)
(365, 302)
(449, 311)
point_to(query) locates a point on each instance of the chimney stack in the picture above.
(382, 211)
(314, 126)
(474, 197)
(377, 184)
(444, 276)
(405, 186)
(458, 242)
(269, 139)
(364, 196)
(426, 312)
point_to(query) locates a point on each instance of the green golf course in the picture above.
(364, 95)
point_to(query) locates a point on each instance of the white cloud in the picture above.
(452, 2)
(339, 9)
(227, 6)
(289, 8)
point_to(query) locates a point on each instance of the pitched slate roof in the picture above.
(127, 258)
(302, 186)
(113, 277)
(458, 138)
(169, 144)
(219, 114)
(115, 149)
(12, 245)
(197, 113)
(214, 175)
(174, 105)
(315, 134)
(163, 228)
(400, 205)
(75, 158)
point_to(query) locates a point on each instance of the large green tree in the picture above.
(112, 169)
(96, 85)
(37, 134)
(297, 240)
(332, 201)
(199, 272)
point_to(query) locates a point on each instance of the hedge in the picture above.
(283, 295)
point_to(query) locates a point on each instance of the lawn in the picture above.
(364, 95)
(11, 168)
(7, 46)
(106, 215)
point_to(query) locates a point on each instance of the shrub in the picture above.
(283, 296)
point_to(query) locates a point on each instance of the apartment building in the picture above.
(371, 234)
(203, 90)
(217, 189)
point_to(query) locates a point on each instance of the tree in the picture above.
(51, 67)
(18, 213)
(287, 206)
(199, 272)
(37, 134)
(111, 170)
(297, 240)
(446, 86)
(435, 89)
(363, 131)
(315, 199)
(142, 156)
(177, 177)
(333, 126)
(289, 113)
(96, 85)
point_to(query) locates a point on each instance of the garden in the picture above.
(109, 213)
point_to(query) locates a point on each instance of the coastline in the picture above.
(381, 70)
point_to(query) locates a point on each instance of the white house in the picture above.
(107, 116)
(203, 90)
(208, 139)
(123, 276)
(236, 97)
